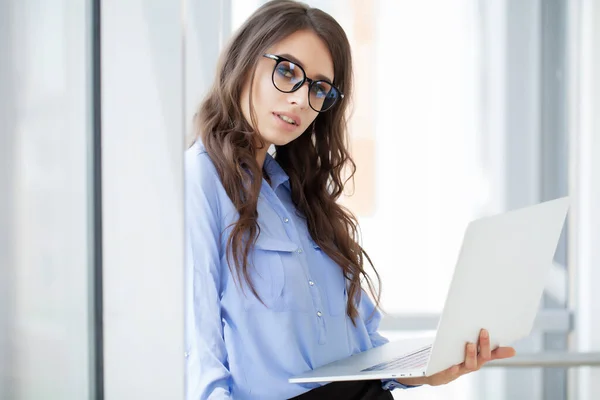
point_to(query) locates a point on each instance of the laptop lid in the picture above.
(499, 280)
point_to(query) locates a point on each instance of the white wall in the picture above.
(142, 153)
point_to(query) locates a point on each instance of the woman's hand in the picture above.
(473, 362)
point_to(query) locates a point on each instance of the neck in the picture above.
(261, 155)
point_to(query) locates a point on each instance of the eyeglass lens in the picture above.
(288, 77)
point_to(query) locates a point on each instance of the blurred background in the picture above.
(463, 108)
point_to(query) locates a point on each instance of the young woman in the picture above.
(275, 270)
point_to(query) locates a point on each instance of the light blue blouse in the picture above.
(235, 346)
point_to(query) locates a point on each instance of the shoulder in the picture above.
(202, 182)
(199, 169)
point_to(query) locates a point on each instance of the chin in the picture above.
(279, 139)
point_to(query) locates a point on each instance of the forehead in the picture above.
(306, 48)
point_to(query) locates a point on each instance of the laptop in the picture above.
(497, 284)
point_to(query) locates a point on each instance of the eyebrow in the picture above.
(296, 61)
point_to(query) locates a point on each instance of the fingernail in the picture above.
(485, 334)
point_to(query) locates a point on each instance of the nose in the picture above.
(300, 96)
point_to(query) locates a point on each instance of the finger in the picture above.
(471, 357)
(503, 352)
(485, 353)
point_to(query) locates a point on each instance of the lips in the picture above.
(289, 116)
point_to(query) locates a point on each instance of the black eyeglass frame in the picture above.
(311, 82)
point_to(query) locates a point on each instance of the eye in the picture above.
(285, 71)
(321, 90)
(289, 71)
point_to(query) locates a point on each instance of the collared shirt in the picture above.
(237, 347)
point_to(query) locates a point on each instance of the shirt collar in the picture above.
(276, 173)
(272, 167)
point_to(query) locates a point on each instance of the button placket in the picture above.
(321, 327)
(292, 233)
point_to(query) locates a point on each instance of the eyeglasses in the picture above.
(289, 77)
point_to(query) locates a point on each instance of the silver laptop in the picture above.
(497, 284)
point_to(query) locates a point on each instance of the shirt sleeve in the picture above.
(207, 373)
(372, 317)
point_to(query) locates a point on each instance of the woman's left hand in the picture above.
(473, 362)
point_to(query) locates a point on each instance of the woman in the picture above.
(274, 265)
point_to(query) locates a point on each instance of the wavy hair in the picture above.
(318, 162)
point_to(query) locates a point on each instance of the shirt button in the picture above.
(319, 313)
(286, 220)
(186, 354)
(311, 283)
(299, 251)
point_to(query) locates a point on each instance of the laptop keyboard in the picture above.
(414, 360)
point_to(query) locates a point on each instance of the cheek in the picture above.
(265, 94)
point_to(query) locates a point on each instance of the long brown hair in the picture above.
(316, 162)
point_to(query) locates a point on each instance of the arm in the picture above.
(371, 317)
(207, 373)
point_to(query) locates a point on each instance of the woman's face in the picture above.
(310, 52)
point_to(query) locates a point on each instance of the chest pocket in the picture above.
(334, 283)
(267, 271)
